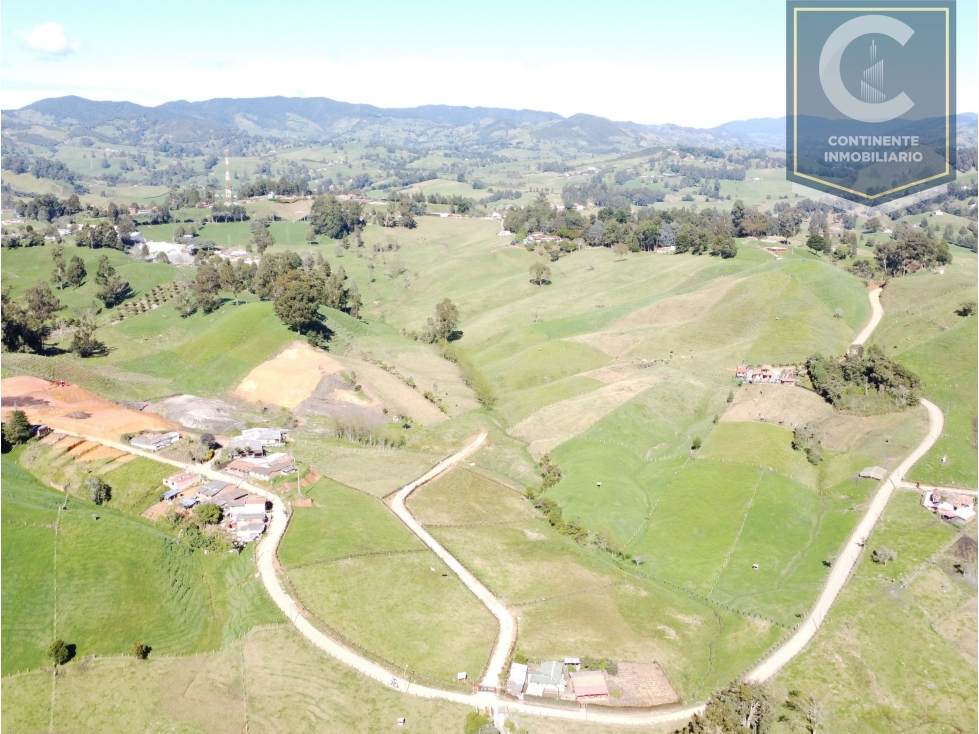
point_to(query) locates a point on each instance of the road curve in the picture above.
(876, 314)
(507, 636)
(849, 556)
(765, 670)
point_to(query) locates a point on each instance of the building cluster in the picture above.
(766, 374)
(252, 459)
(554, 679)
(243, 514)
(950, 505)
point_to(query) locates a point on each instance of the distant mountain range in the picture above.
(323, 118)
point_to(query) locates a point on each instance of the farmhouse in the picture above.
(262, 467)
(517, 679)
(547, 680)
(265, 436)
(589, 685)
(154, 441)
(766, 374)
(211, 489)
(246, 446)
(177, 483)
(950, 505)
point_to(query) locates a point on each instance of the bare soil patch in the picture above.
(45, 402)
(100, 452)
(640, 685)
(289, 378)
(334, 396)
(199, 414)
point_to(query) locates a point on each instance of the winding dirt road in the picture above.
(765, 670)
(876, 314)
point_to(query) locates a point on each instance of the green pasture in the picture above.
(116, 580)
(342, 522)
(892, 657)
(461, 496)
(408, 609)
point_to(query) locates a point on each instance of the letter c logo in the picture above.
(829, 68)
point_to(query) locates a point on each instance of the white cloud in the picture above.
(49, 39)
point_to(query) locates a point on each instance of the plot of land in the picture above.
(407, 609)
(461, 497)
(46, 403)
(342, 522)
(289, 378)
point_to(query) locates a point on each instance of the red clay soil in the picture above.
(47, 402)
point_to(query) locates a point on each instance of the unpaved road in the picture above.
(765, 670)
(877, 313)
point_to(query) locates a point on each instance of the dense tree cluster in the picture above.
(740, 708)
(26, 320)
(29, 238)
(911, 249)
(282, 187)
(41, 167)
(334, 218)
(839, 381)
(101, 235)
(48, 207)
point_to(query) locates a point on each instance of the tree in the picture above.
(17, 429)
(60, 652)
(817, 244)
(114, 291)
(103, 270)
(872, 224)
(183, 303)
(740, 708)
(968, 308)
(475, 720)
(232, 277)
(75, 272)
(883, 555)
(140, 650)
(41, 303)
(444, 323)
(298, 306)
(262, 238)
(60, 271)
(725, 246)
(539, 274)
(696, 443)
(596, 234)
(207, 513)
(20, 331)
(98, 491)
(207, 439)
(83, 341)
(738, 215)
(161, 257)
(207, 285)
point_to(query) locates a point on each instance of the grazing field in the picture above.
(572, 601)
(893, 655)
(342, 522)
(406, 608)
(115, 581)
(461, 497)
(921, 330)
(376, 471)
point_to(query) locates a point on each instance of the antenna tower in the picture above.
(227, 179)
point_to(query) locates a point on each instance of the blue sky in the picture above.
(690, 62)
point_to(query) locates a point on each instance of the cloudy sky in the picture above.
(690, 62)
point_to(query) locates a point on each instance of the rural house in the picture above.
(182, 480)
(589, 686)
(950, 505)
(547, 680)
(517, 679)
(154, 441)
(265, 436)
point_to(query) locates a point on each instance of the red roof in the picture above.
(589, 684)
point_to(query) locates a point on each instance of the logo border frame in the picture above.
(949, 11)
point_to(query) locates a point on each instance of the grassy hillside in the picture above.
(898, 650)
(104, 584)
(921, 330)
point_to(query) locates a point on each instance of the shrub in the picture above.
(17, 429)
(140, 650)
(60, 652)
(474, 722)
(208, 513)
(98, 491)
(696, 443)
(883, 554)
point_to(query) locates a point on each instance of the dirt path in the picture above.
(850, 555)
(877, 313)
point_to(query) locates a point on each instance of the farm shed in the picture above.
(589, 685)
(873, 472)
(154, 441)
